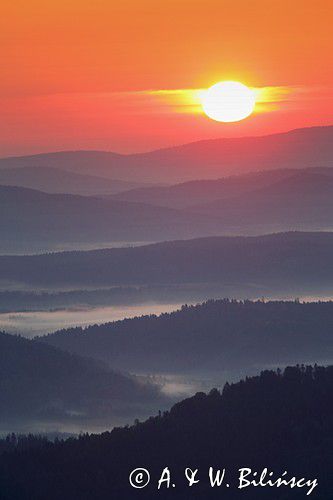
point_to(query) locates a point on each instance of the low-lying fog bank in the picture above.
(32, 323)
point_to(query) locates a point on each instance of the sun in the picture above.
(228, 101)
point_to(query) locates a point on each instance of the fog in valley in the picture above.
(116, 305)
(30, 324)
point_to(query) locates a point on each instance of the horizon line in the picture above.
(174, 146)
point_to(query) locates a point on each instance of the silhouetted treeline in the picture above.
(214, 336)
(282, 421)
(20, 442)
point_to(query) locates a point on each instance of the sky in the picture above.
(126, 75)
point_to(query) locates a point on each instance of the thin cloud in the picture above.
(190, 100)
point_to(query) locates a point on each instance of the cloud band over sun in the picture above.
(141, 120)
(190, 100)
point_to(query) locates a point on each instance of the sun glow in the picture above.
(228, 101)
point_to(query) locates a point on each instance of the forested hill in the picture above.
(279, 421)
(214, 336)
(276, 260)
(39, 383)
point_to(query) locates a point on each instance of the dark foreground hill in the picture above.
(211, 337)
(40, 385)
(274, 421)
(279, 261)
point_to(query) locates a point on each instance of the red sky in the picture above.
(77, 74)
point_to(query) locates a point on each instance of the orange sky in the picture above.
(76, 74)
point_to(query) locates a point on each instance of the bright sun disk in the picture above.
(228, 101)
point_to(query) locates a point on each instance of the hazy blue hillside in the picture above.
(83, 162)
(252, 204)
(279, 421)
(304, 199)
(44, 386)
(200, 191)
(308, 147)
(56, 180)
(28, 217)
(257, 203)
(296, 260)
(213, 337)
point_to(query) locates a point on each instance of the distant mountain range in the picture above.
(296, 196)
(293, 261)
(297, 182)
(29, 217)
(275, 421)
(213, 337)
(305, 198)
(56, 180)
(301, 148)
(43, 386)
(251, 204)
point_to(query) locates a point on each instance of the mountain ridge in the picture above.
(56, 180)
(277, 420)
(40, 383)
(186, 194)
(213, 259)
(310, 146)
(223, 334)
(28, 216)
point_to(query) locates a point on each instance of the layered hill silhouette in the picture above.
(250, 204)
(263, 201)
(308, 147)
(281, 422)
(30, 217)
(217, 335)
(56, 180)
(314, 181)
(191, 193)
(43, 385)
(305, 198)
(292, 260)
